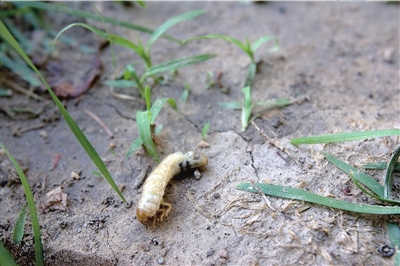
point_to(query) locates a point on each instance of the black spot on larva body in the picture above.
(185, 165)
(182, 166)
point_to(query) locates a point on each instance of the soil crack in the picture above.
(119, 112)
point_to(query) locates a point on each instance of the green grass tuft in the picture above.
(32, 208)
(87, 146)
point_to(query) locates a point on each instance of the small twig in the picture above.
(275, 143)
(197, 207)
(264, 197)
(56, 159)
(120, 95)
(142, 176)
(18, 131)
(101, 123)
(22, 90)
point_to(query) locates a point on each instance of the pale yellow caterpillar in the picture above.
(153, 189)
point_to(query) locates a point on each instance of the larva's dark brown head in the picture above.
(195, 159)
(143, 218)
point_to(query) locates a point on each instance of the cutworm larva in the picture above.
(153, 189)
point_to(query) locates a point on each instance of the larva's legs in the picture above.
(164, 212)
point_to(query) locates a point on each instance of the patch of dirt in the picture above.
(343, 58)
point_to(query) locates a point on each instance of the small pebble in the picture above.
(197, 174)
(388, 55)
(63, 224)
(282, 9)
(160, 261)
(223, 254)
(217, 195)
(209, 252)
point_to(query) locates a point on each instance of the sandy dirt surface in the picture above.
(341, 58)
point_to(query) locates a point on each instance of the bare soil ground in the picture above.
(342, 57)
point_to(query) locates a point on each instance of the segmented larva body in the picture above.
(154, 186)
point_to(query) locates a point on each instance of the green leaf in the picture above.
(5, 256)
(251, 72)
(110, 37)
(158, 105)
(231, 105)
(141, 3)
(370, 194)
(205, 130)
(87, 146)
(281, 102)
(185, 95)
(147, 97)
(31, 204)
(20, 69)
(132, 73)
(143, 125)
(121, 83)
(222, 37)
(83, 14)
(389, 174)
(247, 108)
(365, 179)
(298, 194)
(171, 22)
(341, 137)
(178, 63)
(15, 31)
(18, 232)
(379, 166)
(393, 230)
(264, 39)
(134, 146)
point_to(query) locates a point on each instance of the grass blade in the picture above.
(110, 37)
(393, 230)
(21, 70)
(370, 194)
(341, 137)
(18, 232)
(264, 39)
(25, 42)
(141, 3)
(298, 194)
(222, 37)
(134, 146)
(139, 85)
(375, 166)
(121, 83)
(281, 102)
(158, 105)
(5, 256)
(364, 179)
(205, 130)
(247, 108)
(171, 22)
(185, 95)
(251, 72)
(389, 174)
(87, 146)
(83, 14)
(147, 97)
(32, 208)
(231, 105)
(380, 166)
(178, 63)
(143, 125)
